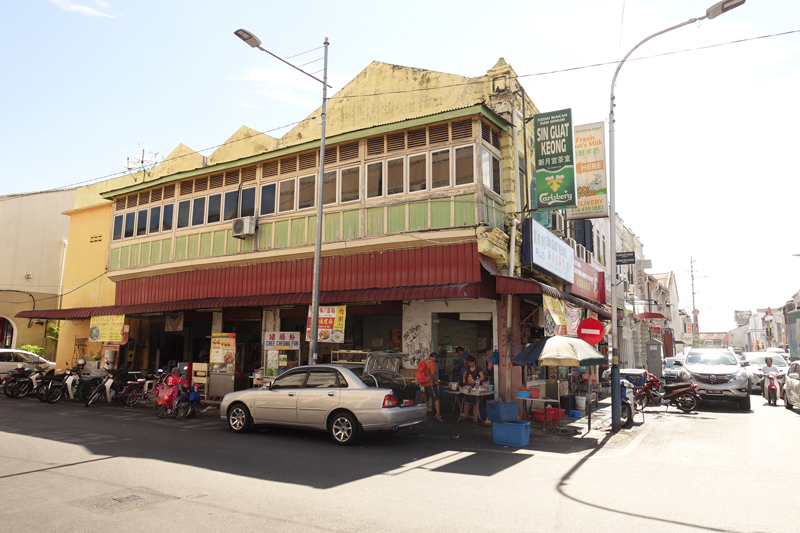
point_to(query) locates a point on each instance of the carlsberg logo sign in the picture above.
(555, 162)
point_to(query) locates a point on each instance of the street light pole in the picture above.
(712, 12)
(255, 42)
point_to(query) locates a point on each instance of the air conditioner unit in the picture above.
(625, 285)
(243, 227)
(580, 251)
(588, 257)
(571, 243)
(557, 223)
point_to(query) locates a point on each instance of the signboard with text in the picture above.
(555, 162)
(626, 258)
(550, 253)
(331, 323)
(223, 348)
(590, 172)
(108, 328)
(587, 281)
(281, 340)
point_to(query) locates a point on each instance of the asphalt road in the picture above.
(64, 467)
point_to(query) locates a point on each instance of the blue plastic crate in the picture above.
(517, 433)
(502, 411)
(635, 376)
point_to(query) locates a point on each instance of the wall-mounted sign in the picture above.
(555, 162)
(644, 263)
(590, 172)
(223, 348)
(281, 340)
(626, 258)
(550, 253)
(587, 281)
(331, 323)
(555, 316)
(106, 328)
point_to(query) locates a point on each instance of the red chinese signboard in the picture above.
(587, 281)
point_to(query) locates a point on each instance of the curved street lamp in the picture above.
(712, 12)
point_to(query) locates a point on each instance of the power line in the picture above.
(58, 296)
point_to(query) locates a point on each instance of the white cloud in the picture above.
(69, 5)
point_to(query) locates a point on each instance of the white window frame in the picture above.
(122, 227)
(474, 164)
(383, 166)
(278, 196)
(150, 219)
(238, 205)
(297, 192)
(337, 177)
(488, 171)
(405, 175)
(450, 171)
(174, 219)
(275, 199)
(339, 191)
(255, 199)
(177, 213)
(221, 206)
(136, 223)
(407, 183)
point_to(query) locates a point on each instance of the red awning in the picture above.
(652, 316)
(460, 290)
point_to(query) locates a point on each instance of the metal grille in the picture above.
(269, 169)
(395, 142)
(416, 138)
(187, 187)
(308, 160)
(376, 145)
(461, 130)
(438, 134)
(200, 184)
(232, 177)
(217, 181)
(717, 378)
(348, 151)
(248, 174)
(169, 192)
(331, 154)
(289, 165)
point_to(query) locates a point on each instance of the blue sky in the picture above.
(705, 138)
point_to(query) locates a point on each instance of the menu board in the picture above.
(330, 325)
(106, 328)
(281, 340)
(223, 348)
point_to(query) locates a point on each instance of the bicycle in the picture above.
(143, 390)
(188, 403)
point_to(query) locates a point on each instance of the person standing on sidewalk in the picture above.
(431, 385)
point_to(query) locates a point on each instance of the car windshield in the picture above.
(669, 362)
(759, 360)
(711, 358)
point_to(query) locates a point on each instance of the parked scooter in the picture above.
(27, 382)
(12, 376)
(626, 406)
(771, 389)
(109, 387)
(682, 395)
(48, 381)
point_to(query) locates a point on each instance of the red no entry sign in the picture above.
(591, 331)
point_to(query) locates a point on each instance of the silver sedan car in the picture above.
(330, 398)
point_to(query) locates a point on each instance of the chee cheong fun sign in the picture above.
(551, 253)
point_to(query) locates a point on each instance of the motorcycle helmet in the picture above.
(81, 362)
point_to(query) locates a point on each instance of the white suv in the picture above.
(719, 376)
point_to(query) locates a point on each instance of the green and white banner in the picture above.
(590, 176)
(555, 161)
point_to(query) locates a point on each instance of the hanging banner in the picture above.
(590, 172)
(555, 163)
(640, 284)
(587, 281)
(574, 318)
(106, 328)
(281, 340)
(223, 348)
(555, 316)
(173, 321)
(331, 323)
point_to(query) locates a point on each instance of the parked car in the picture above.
(791, 390)
(671, 368)
(756, 360)
(719, 376)
(10, 359)
(343, 400)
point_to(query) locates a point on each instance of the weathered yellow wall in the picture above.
(85, 261)
(245, 142)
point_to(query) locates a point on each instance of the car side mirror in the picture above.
(794, 375)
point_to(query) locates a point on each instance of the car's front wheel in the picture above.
(786, 403)
(239, 419)
(344, 429)
(744, 404)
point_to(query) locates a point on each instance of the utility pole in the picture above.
(695, 327)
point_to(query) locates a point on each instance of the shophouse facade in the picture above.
(419, 190)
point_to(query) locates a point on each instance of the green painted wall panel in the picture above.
(134, 255)
(145, 254)
(350, 225)
(180, 248)
(333, 227)
(155, 252)
(498, 215)
(488, 211)
(264, 236)
(440, 213)
(311, 230)
(218, 246)
(205, 244)
(464, 210)
(282, 234)
(298, 231)
(125, 256)
(247, 244)
(418, 215)
(113, 264)
(166, 250)
(376, 219)
(232, 246)
(395, 218)
(192, 243)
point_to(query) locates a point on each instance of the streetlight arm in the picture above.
(294, 67)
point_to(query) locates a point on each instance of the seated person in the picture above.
(472, 376)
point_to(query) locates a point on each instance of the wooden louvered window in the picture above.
(348, 151)
(144, 198)
(120, 205)
(308, 160)
(461, 130)
(395, 142)
(216, 181)
(495, 138)
(269, 169)
(438, 133)
(133, 200)
(248, 174)
(376, 145)
(155, 195)
(232, 177)
(187, 188)
(416, 138)
(331, 154)
(200, 184)
(486, 133)
(289, 165)
(169, 192)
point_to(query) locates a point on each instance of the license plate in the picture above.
(714, 392)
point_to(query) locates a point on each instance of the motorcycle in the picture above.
(48, 381)
(771, 388)
(11, 379)
(626, 406)
(683, 395)
(109, 386)
(26, 381)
